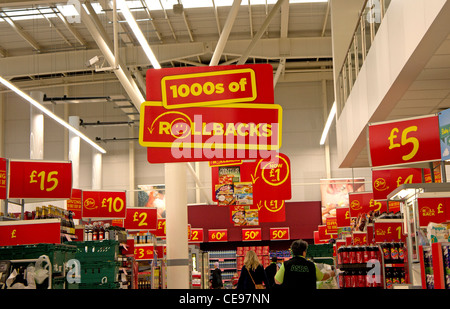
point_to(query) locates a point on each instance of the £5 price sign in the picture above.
(407, 141)
(40, 179)
(141, 218)
(104, 204)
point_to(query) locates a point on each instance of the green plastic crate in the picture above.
(322, 250)
(94, 286)
(99, 273)
(58, 254)
(96, 251)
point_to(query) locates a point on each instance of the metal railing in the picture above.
(364, 34)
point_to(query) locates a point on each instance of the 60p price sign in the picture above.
(104, 204)
(218, 235)
(40, 179)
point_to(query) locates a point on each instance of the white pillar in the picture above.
(96, 170)
(36, 128)
(176, 226)
(74, 151)
(131, 196)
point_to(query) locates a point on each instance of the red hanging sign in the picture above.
(209, 85)
(388, 230)
(40, 179)
(160, 228)
(343, 216)
(218, 235)
(25, 232)
(141, 218)
(433, 210)
(3, 163)
(104, 204)
(144, 252)
(74, 203)
(196, 235)
(251, 234)
(280, 233)
(386, 181)
(406, 141)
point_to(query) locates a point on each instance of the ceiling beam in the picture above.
(25, 35)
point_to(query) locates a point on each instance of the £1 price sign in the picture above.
(141, 218)
(251, 234)
(407, 141)
(279, 233)
(388, 230)
(40, 179)
(104, 204)
(218, 235)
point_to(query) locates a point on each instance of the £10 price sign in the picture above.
(406, 141)
(104, 204)
(40, 179)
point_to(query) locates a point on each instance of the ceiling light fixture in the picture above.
(328, 124)
(121, 4)
(50, 114)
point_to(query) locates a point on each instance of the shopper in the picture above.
(298, 272)
(252, 273)
(216, 280)
(271, 270)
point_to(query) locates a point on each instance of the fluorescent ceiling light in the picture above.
(121, 4)
(50, 114)
(328, 124)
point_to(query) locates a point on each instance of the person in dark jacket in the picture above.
(298, 272)
(252, 273)
(271, 270)
(216, 278)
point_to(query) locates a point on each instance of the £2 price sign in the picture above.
(141, 218)
(407, 141)
(104, 204)
(40, 179)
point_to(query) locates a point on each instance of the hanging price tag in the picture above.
(251, 234)
(388, 230)
(218, 235)
(40, 179)
(279, 233)
(104, 204)
(141, 219)
(196, 235)
(143, 252)
(160, 228)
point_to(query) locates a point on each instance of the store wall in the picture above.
(303, 119)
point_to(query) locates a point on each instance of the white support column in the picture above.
(131, 165)
(96, 170)
(74, 151)
(36, 128)
(176, 226)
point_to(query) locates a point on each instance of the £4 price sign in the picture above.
(407, 141)
(104, 204)
(40, 179)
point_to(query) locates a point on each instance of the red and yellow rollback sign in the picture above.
(104, 204)
(212, 85)
(406, 141)
(2, 178)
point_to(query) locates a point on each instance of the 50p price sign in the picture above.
(104, 204)
(141, 219)
(40, 179)
(279, 233)
(251, 234)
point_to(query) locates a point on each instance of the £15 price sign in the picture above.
(218, 235)
(251, 234)
(141, 219)
(279, 233)
(104, 204)
(407, 141)
(40, 179)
